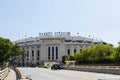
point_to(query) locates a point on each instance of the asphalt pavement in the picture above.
(11, 75)
(48, 74)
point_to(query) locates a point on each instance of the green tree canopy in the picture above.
(8, 50)
(115, 56)
(95, 54)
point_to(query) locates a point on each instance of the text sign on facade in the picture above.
(55, 34)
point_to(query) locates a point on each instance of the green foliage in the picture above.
(68, 57)
(116, 55)
(71, 58)
(8, 50)
(95, 54)
(63, 59)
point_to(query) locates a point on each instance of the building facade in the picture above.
(51, 47)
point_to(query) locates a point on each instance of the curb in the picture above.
(20, 74)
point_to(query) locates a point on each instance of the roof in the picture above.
(68, 39)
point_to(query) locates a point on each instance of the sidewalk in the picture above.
(11, 75)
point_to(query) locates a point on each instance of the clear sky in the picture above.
(97, 18)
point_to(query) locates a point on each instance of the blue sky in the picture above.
(97, 18)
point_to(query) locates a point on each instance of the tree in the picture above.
(8, 50)
(68, 57)
(95, 54)
(17, 51)
(64, 58)
(116, 55)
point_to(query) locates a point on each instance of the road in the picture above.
(47, 74)
(11, 75)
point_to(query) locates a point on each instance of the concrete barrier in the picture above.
(4, 73)
(97, 69)
(20, 74)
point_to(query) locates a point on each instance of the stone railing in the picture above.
(98, 69)
(4, 73)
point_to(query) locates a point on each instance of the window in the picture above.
(48, 52)
(38, 53)
(52, 53)
(56, 52)
(68, 51)
(37, 40)
(80, 49)
(32, 53)
(74, 50)
(38, 58)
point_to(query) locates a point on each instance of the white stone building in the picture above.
(51, 47)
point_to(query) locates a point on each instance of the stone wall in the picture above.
(97, 69)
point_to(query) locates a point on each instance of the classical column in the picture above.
(55, 52)
(47, 52)
(50, 52)
(35, 54)
(78, 48)
(43, 51)
(71, 50)
(61, 50)
(30, 54)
